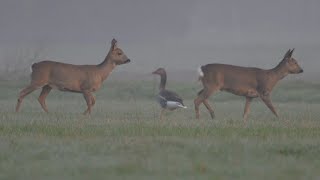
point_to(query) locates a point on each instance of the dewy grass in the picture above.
(124, 138)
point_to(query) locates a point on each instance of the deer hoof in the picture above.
(212, 115)
(86, 113)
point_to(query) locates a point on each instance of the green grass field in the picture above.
(124, 138)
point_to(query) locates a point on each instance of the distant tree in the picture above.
(16, 63)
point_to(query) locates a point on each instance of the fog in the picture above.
(175, 34)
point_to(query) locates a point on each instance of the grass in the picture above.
(124, 139)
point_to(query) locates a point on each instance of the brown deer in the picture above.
(84, 79)
(249, 82)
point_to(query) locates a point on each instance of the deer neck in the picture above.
(106, 67)
(163, 81)
(280, 71)
(277, 73)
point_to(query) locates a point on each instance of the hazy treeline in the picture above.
(15, 63)
(180, 62)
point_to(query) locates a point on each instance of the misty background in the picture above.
(179, 35)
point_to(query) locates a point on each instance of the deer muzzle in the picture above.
(126, 61)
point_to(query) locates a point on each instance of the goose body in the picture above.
(168, 100)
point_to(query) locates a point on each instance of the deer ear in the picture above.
(291, 52)
(113, 43)
(287, 54)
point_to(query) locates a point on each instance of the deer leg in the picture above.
(203, 95)
(93, 99)
(88, 97)
(44, 93)
(207, 105)
(267, 101)
(197, 103)
(23, 93)
(247, 108)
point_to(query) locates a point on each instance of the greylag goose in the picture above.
(168, 100)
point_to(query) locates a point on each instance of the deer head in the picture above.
(290, 63)
(116, 55)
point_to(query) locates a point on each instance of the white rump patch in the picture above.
(200, 72)
(31, 64)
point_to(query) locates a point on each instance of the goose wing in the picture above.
(170, 96)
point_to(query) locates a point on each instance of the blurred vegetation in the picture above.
(124, 138)
(293, 91)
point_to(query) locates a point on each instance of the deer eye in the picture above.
(119, 53)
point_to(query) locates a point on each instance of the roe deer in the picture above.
(84, 79)
(249, 82)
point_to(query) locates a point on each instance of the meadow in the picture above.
(124, 138)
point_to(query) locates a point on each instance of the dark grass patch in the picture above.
(144, 129)
(295, 150)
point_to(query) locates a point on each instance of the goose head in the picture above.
(159, 71)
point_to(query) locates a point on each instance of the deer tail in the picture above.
(200, 73)
(33, 66)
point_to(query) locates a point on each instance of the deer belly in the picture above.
(92, 85)
(252, 93)
(245, 91)
(61, 86)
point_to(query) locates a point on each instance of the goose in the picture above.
(167, 99)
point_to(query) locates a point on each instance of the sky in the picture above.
(175, 34)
